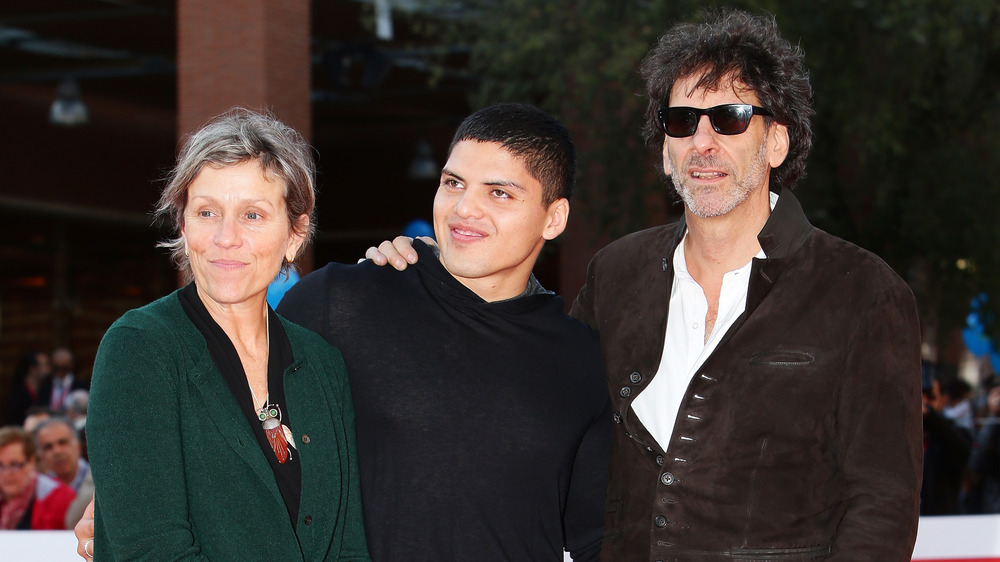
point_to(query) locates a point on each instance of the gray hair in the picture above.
(77, 402)
(235, 137)
(54, 420)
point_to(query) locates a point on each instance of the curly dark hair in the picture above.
(734, 44)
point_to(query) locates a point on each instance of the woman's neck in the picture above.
(245, 323)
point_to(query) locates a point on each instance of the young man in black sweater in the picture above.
(483, 430)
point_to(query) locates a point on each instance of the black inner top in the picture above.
(288, 475)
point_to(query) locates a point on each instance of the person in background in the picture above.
(32, 371)
(947, 446)
(34, 416)
(76, 408)
(984, 465)
(60, 451)
(79, 505)
(76, 413)
(958, 405)
(217, 429)
(28, 500)
(64, 380)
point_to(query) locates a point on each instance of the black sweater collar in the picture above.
(439, 279)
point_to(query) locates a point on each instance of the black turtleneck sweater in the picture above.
(483, 428)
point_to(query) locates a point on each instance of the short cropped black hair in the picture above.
(731, 44)
(534, 136)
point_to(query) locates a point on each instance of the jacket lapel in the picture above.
(657, 270)
(784, 232)
(220, 407)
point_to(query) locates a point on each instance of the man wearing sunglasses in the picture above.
(764, 375)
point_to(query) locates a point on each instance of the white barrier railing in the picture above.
(957, 538)
(954, 538)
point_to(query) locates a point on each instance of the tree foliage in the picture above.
(907, 94)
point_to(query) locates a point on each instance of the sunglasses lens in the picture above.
(679, 121)
(730, 119)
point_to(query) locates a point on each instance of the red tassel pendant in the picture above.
(278, 435)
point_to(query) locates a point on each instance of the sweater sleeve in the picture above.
(584, 518)
(355, 544)
(134, 440)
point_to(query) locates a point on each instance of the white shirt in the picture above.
(685, 347)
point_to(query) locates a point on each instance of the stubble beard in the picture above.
(714, 202)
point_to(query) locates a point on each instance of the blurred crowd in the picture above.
(961, 444)
(45, 480)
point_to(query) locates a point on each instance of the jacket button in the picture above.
(635, 377)
(308, 520)
(617, 417)
(667, 478)
(660, 521)
(659, 460)
(625, 392)
(306, 439)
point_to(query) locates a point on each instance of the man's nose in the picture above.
(704, 138)
(469, 205)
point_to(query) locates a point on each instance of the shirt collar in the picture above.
(680, 264)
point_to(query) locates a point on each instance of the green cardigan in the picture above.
(178, 472)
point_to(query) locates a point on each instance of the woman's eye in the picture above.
(253, 215)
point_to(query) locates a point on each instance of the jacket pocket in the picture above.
(794, 553)
(782, 358)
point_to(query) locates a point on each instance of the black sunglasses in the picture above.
(729, 119)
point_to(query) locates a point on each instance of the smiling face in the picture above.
(489, 219)
(237, 232)
(16, 470)
(713, 173)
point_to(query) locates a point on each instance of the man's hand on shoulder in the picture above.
(398, 253)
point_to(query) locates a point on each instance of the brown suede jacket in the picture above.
(799, 438)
